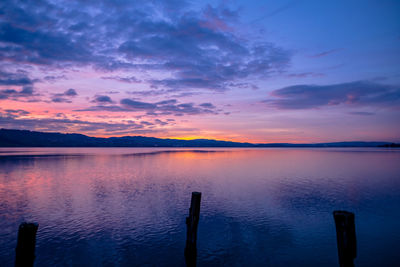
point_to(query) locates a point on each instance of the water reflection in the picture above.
(265, 207)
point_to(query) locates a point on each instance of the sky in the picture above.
(252, 71)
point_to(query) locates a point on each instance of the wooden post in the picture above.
(25, 250)
(191, 235)
(346, 237)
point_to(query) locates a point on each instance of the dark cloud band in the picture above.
(359, 93)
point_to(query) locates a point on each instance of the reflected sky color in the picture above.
(263, 207)
(270, 71)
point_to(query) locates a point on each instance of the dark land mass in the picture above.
(390, 145)
(24, 138)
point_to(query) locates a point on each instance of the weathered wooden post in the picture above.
(346, 237)
(191, 236)
(25, 250)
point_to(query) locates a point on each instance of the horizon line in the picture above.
(218, 140)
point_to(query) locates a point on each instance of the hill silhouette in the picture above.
(25, 138)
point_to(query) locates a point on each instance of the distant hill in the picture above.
(24, 138)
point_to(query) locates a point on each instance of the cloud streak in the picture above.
(26, 93)
(326, 53)
(357, 94)
(131, 79)
(19, 119)
(161, 108)
(65, 97)
(17, 79)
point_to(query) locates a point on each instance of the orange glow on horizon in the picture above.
(210, 137)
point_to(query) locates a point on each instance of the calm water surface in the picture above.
(260, 207)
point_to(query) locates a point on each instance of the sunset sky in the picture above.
(256, 71)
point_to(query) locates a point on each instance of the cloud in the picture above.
(26, 92)
(130, 79)
(166, 107)
(18, 85)
(207, 105)
(358, 93)
(167, 102)
(102, 99)
(70, 92)
(60, 100)
(158, 92)
(362, 113)
(137, 105)
(160, 122)
(196, 48)
(148, 92)
(146, 123)
(14, 113)
(20, 119)
(64, 97)
(64, 124)
(17, 78)
(325, 53)
(54, 78)
(305, 75)
(218, 73)
(110, 108)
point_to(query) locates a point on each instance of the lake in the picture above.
(259, 207)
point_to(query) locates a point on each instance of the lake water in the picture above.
(260, 207)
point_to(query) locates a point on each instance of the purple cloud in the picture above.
(102, 99)
(359, 93)
(64, 97)
(70, 92)
(14, 113)
(64, 124)
(207, 105)
(199, 49)
(305, 75)
(26, 93)
(131, 79)
(362, 113)
(137, 105)
(16, 78)
(54, 78)
(166, 107)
